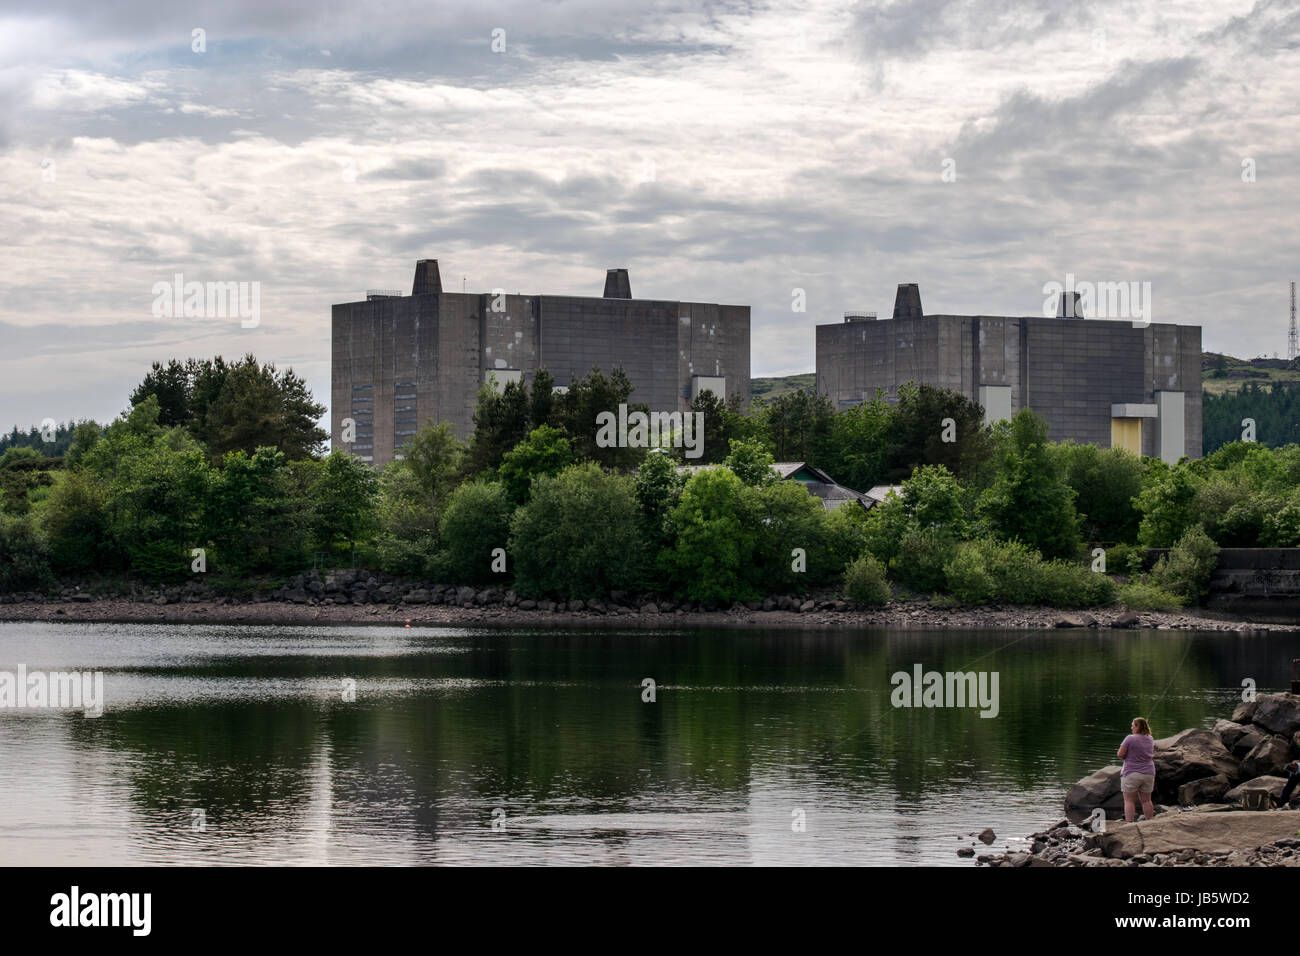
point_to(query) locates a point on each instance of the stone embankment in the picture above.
(1216, 791)
(352, 597)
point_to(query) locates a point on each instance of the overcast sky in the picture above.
(727, 152)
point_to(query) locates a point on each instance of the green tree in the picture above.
(921, 426)
(1105, 482)
(800, 424)
(858, 450)
(752, 463)
(251, 515)
(475, 522)
(1030, 500)
(344, 501)
(553, 545)
(785, 518)
(76, 525)
(713, 537)
(545, 452)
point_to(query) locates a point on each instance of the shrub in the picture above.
(552, 541)
(713, 537)
(24, 561)
(1145, 596)
(987, 570)
(476, 520)
(1063, 584)
(1187, 568)
(864, 582)
(922, 554)
(787, 517)
(968, 576)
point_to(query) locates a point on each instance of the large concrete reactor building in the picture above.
(402, 361)
(1108, 383)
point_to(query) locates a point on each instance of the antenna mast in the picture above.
(1292, 347)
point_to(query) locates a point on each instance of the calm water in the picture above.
(546, 733)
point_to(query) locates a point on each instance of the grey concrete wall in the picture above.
(1068, 371)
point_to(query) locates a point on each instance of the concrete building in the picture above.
(1108, 383)
(401, 361)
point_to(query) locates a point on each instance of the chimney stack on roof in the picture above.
(1071, 306)
(907, 303)
(617, 285)
(427, 278)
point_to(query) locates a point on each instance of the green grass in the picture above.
(772, 388)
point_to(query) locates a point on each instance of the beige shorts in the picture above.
(1137, 783)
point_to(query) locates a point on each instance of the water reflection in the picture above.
(762, 747)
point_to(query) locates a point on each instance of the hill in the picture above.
(1224, 373)
(768, 389)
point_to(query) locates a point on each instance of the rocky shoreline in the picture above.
(1215, 794)
(359, 597)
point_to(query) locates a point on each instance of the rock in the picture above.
(418, 596)
(1278, 713)
(1019, 859)
(1269, 757)
(527, 605)
(649, 609)
(768, 604)
(1191, 755)
(1245, 712)
(81, 597)
(1070, 620)
(807, 606)
(546, 605)
(1272, 784)
(1204, 833)
(464, 596)
(965, 851)
(1229, 732)
(491, 596)
(1127, 620)
(987, 836)
(1098, 789)
(1205, 790)
(1247, 742)
(618, 597)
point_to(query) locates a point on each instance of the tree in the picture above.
(234, 407)
(76, 524)
(1168, 493)
(343, 501)
(551, 536)
(251, 516)
(658, 490)
(786, 520)
(433, 456)
(713, 537)
(582, 404)
(935, 426)
(1030, 500)
(500, 423)
(475, 523)
(1105, 482)
(545, 452)
(857, 453)
(800, 426)
(752, 463)
(715, 440)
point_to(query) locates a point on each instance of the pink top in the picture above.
(1140, 756)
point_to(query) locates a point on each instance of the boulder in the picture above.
(1205, 790)
(1099, 789)
(987, 836)
(1127, 620)
(1229, 732)
(1270, 757)
(1198, 832)
(1247, 742)
(1272, 784)
(1245, 711)
(465, 596)
(1191, 755)
(1278, 713)
(418, 596)
(650, 608)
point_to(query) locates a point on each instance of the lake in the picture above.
(379, 745)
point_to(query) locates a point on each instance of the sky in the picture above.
(730, 152)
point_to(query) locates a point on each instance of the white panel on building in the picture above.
(996, 400)
(498, 378)
(716, 384)
(1173, 440)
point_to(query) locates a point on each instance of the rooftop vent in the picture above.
(907, 303)
(617, 284)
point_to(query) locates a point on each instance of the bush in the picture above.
(988, 570)
(476, 520)
(968, 576)
(552, 541)
(24, 563)
(1145, 596)
(1063, 584)
(922, 554)
(713, 538)
(1187, 568)
(865, 584)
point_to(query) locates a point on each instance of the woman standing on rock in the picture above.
(1138, 778)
